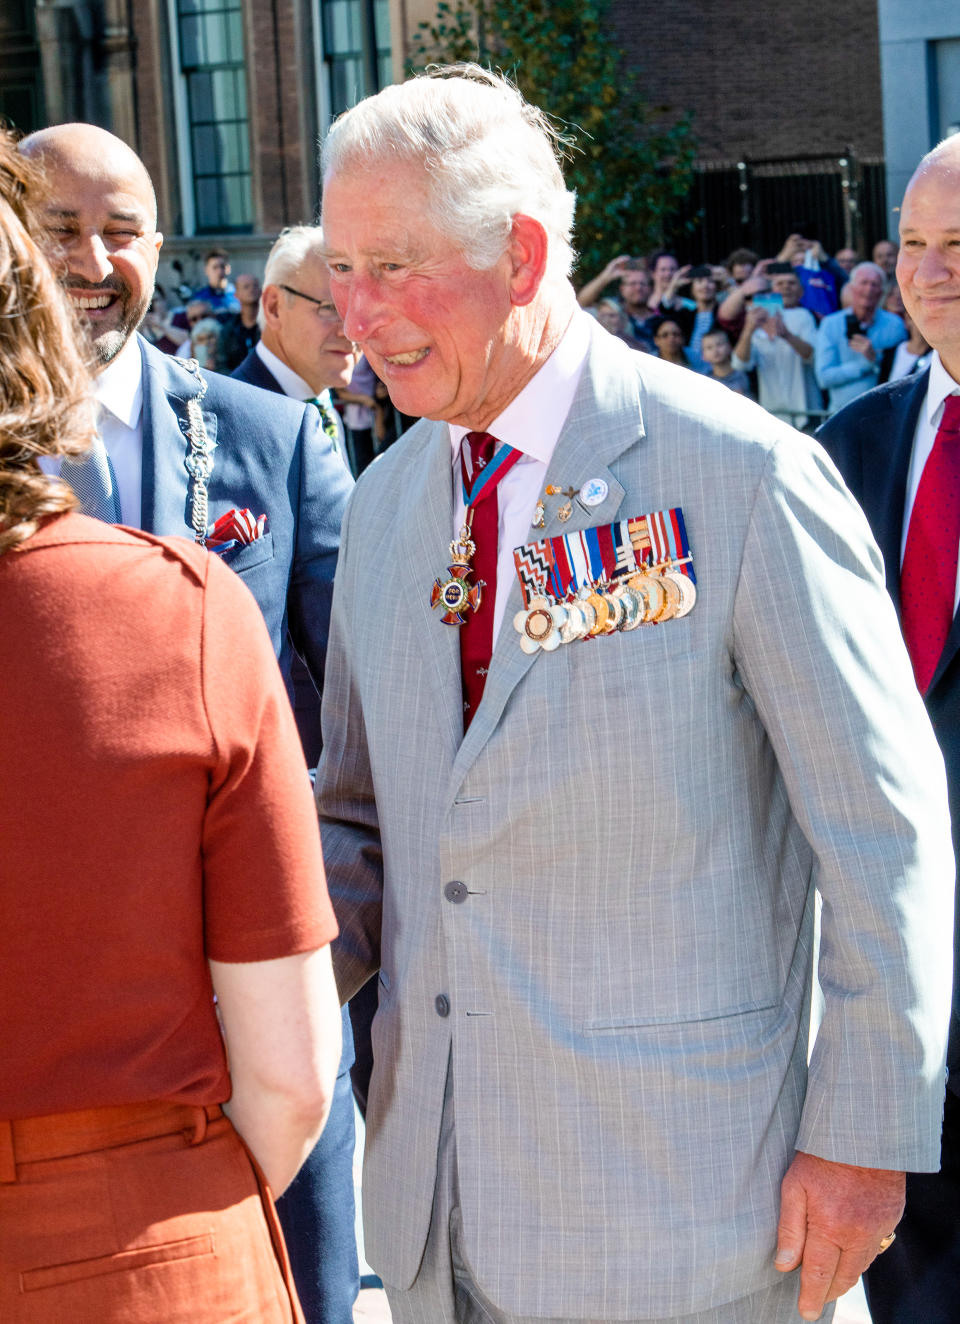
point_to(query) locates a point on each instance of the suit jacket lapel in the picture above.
(165, 481)
(885, 484)
(604, 420)
(423, 544)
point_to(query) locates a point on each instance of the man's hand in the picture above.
(864, 345)
(616, 267)
(755, 284)
(680, 277)
(793, 245)
(833, 1217)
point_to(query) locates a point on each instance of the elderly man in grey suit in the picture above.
(587, 769)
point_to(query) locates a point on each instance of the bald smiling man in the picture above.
(893, 447)
(165, 473)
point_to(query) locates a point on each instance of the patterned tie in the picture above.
(328, 417)
(94, 483)
(476, 636)
(928, 578)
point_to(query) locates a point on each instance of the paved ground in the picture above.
(372, 1308)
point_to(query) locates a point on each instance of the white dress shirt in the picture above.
(531, 423)
(291, 383)
(940, 385)
(118, 390)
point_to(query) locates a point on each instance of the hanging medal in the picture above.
(457, 594)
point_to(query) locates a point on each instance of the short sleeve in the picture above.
(265, 893)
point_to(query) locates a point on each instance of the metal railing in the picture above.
(755, 203)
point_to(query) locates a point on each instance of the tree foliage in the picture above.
(632, 164)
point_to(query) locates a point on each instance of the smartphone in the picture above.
(853, 326)
(769, 302)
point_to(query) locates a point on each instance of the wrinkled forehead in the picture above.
(379, 209)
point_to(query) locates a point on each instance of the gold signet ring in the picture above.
(887, 1242)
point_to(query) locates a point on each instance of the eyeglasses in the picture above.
(325, 308)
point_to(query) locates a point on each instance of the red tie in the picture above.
(476, 635)
(928, 578)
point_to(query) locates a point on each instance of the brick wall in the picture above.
(761, 80)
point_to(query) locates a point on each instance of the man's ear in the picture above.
(528, 259)
(270, 303)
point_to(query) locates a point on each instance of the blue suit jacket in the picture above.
(271, 456)
(304, 695)
(871, 442)
(254, 371)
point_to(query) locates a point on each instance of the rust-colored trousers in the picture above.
(148, 1214)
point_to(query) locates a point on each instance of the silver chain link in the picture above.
(199, 459)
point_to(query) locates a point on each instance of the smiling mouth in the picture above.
(88, 302)
(405, 360)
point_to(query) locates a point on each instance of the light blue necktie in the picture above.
(94, 483)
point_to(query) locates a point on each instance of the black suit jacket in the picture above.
(871, 442)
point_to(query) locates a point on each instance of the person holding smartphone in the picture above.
(850, 342)
(777, 341)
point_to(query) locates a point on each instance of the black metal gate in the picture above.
(841, 200)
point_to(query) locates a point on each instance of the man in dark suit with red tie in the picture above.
(898, 447)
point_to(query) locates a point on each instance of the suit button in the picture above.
(442, 1004)
(455, 892)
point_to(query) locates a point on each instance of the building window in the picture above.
(947, 87)
(210, 39)
(21, 83)
(356, 49)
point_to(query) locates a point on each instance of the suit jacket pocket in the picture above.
(633, 1022)
(250, 554)
(56, 1275)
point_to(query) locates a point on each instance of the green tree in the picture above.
(631, 166)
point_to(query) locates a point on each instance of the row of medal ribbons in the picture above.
(647, 597)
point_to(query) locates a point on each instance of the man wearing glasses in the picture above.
(302, 351)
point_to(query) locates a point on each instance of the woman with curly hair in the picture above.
(158, 845)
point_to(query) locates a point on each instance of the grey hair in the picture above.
(489, 155)
(291, 249)
(868, 266)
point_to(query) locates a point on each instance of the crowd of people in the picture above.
(632, 760)
(801, 332)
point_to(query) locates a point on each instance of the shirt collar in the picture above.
(533, 420)
(291, 382)
(939, 386)
(118, 388)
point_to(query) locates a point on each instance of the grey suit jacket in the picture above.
(640, 822)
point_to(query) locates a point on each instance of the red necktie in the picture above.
(476, 635)
(928, 578)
